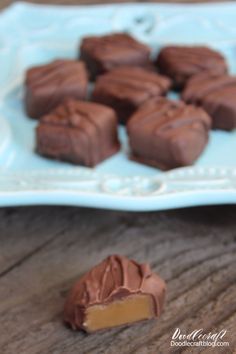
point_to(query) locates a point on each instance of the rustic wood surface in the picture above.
(43, 250)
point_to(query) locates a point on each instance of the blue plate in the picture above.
(33, 34)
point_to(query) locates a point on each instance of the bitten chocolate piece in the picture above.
(80, 132)
(168, 134)
(216, 94)
(47, 85)
(126, 88)
(101, 54)
(116, 292)
(182, 62)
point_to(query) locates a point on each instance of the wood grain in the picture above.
(45, 249)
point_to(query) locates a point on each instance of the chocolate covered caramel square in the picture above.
(216, 94)
(182, 62)
(101, 54)
(126, 88)
(46, 86)
(168, 134)
(116, 292)
(79, 132)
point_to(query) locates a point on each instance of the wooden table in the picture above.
(43, 250)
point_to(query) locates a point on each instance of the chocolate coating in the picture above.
(48, 85)
(101, 54)
(126, 88)
(80, 132)
(115, 278)
(216, 94)
(182, 62)
(168, 134)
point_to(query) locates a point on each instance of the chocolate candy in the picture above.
(116, 292)
(47, 85)
(216, 94)
(182, 62)
(126, 88)
(101, 54)
(168, 134)
(80, 132)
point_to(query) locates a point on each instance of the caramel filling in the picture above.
(127, 310)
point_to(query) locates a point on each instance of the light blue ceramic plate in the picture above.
(33, 34)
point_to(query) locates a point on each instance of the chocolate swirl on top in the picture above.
(182, 62)
(113, 279)
(134, 81)
(47, 85)
(162, 115)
